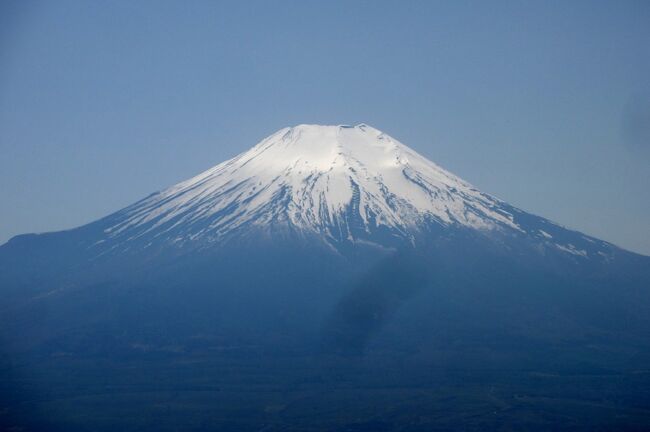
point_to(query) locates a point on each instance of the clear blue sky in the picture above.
(543, 104)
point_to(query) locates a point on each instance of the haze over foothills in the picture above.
(544, 106)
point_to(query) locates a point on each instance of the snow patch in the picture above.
(545, 234)
(572, 249)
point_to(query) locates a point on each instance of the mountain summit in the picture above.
(340, 184)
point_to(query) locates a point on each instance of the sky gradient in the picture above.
(545, 105)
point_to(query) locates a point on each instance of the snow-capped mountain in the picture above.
(330, 180)
(321, 240)
(337, 183)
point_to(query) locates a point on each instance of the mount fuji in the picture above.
(325, 258)
(338, 185)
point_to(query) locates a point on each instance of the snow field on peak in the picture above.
(319, 179)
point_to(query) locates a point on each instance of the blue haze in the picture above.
(543, 104)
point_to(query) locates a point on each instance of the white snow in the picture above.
(311, 177)
(545, 234)
(572, 249)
